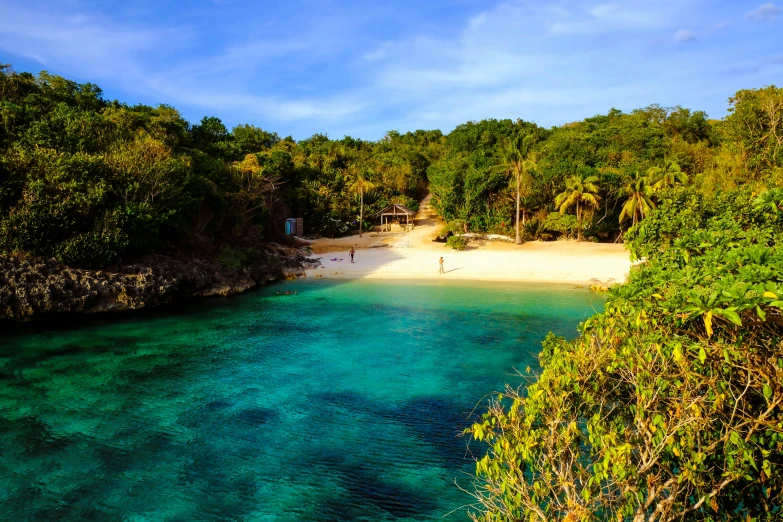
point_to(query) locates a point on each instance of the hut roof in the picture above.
(395, 210)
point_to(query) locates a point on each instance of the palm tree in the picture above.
(579, 190)
(639, 203)
(527, 206)
(660, 178)
(359, 184)
(518, 159)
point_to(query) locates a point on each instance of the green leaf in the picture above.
(702, 354)
(731, 315)
(767, 391)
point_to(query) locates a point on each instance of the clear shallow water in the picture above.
(342, 402)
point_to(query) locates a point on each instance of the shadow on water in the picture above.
(182, 307)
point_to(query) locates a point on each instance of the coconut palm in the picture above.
(359, 184)
(660, 178)
(639, 203)
(579, 191)
(528, 205)
(519, 160)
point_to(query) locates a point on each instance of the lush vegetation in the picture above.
(90, 181)
(669, 405)
(608, 172)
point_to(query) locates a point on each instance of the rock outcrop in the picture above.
(34, 287)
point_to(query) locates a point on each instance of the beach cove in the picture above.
(414, 255)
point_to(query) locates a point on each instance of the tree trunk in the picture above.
(578, 222)
(361, 210)
(519, 238)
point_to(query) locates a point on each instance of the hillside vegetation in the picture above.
(89, 181)
(668, 406)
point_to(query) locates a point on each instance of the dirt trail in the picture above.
(427, 226)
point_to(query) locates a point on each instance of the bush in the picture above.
(457, 242)
(669, 406)
(456, 226)
(565, 224)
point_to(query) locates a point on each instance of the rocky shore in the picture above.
(35, 287)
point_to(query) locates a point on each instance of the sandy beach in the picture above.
(414, 255)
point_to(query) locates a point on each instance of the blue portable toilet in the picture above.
(290, 227)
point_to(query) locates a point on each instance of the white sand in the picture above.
(414, 255)
(561, 262)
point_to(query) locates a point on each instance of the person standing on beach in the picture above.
(440, 271)
(352, 252)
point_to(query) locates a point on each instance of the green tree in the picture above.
(661, 178)
(754, 129)
(579, 191)
(359, 183)
(639, 191)
(518, 159)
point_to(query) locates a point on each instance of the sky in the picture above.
(364, 67)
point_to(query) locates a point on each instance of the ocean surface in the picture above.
(343, 400)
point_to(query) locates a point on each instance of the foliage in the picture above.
(457, 242)
(669, 405)
(639, 190)
(563, 224)
(90, 181)
(657, 147)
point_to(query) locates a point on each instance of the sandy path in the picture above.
(414, 255)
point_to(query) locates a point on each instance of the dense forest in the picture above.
(668, 406)
(89, 181)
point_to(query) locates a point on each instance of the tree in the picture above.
(359, 184)
(661, 178)
(579, 190)
(754, 128)
(639, 202)
(518, 159)
(254, 188)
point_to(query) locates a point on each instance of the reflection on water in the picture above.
(343, 401)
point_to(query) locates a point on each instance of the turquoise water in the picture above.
(343, 401)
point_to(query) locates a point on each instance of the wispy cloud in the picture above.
(85, 43)
(765, 13)
(684, 36)
(353, 67)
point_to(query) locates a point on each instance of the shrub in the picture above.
(457, 242)
(669, 406)
(565, 224)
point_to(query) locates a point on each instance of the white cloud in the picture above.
(86, 43)
(764, 13)
(552, 61)
(378, 54)
(684, 36)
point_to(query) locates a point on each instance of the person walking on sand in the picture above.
(440, 270)
(352, 252)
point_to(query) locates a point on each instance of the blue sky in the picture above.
(361, 68)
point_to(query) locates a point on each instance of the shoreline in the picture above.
(566, 262)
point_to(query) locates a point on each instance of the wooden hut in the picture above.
(395, 212)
